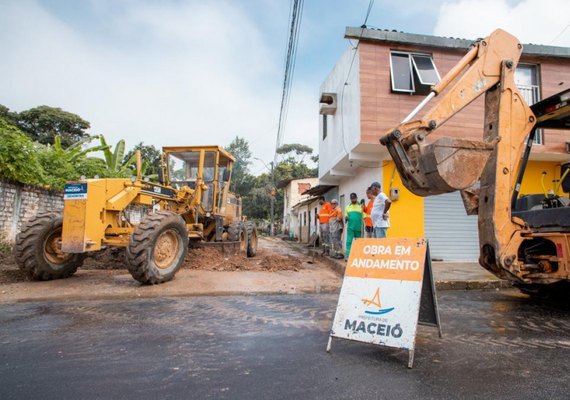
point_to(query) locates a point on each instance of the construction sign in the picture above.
(384, 283)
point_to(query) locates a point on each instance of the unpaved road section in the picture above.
(277, 268)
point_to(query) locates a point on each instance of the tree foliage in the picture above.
(150, 159)
(259, 191)
(18, 158)
(241, 178)
(42, 124)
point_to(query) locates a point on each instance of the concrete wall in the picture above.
(343, 128)
(19, 203)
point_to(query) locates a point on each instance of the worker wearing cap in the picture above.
(324, 217)
(380, 216)
(335, 226)
(368, 224)
(353, 216)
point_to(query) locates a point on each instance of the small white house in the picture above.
(292, 195)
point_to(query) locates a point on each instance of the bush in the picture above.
(18, 158)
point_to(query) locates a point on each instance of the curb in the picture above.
(132, 296)
(338, 267)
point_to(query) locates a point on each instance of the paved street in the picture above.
(497, 344)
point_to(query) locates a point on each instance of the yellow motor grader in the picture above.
(156, 223)
(523, 239)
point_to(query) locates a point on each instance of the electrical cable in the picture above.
(296, 12)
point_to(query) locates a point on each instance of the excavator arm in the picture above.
(446, 164)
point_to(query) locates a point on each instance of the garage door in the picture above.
(452, 234)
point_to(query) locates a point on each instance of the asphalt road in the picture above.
(495, 345)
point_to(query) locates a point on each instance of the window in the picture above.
(324, 126)
(412, 73)
(526, 79)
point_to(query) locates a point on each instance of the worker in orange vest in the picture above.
(368, 224)
(324, 217)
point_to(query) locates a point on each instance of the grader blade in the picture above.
(446, 165)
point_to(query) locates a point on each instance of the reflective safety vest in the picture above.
(325, 213)
(354, 213)
(368, 211)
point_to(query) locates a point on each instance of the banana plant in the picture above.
(114, 158)
(76, 150)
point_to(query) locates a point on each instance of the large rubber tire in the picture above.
(157, 248)
(38, 249)
(251, 239)
(237, 233)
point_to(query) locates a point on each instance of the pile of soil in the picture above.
(113, 260)
(213, 259)
(9, 271)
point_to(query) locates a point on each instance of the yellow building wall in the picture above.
(406, 214)
(531, 183)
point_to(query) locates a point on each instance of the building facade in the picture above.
(293, 194)
(377, 82)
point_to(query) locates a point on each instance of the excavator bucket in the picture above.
(446, 165)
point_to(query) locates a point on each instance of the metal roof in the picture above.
(318, 190)
(388, 36)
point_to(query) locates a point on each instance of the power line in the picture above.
(560, 34)
(291, 53)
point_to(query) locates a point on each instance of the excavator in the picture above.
(524, 239)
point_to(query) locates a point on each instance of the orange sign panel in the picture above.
(391, 258)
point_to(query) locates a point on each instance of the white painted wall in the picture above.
(343, 128)
(358, 183)
(292, 197)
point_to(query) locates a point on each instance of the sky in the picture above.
(185, 72)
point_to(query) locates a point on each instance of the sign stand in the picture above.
(388, 289)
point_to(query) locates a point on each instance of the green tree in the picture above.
(150, 159)
(18, 158)
(8, 116)
(296, 150)
(42, 124)
(242, 181)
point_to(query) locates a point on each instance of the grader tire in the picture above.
(251, 239)
(38, 249)
(157, 248)
(237, 233)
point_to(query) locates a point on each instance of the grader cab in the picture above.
(154, 222)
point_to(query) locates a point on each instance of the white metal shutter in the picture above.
(452, 234)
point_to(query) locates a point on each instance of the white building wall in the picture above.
(291, 197)
(343, 128)
(358, 183)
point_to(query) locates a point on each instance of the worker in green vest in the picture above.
(353, 215)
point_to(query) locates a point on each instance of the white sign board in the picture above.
(379, 301)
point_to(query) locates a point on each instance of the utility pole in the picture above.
(272, 226)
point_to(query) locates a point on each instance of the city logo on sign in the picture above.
(375, 301)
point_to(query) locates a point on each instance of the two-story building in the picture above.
(380, 78)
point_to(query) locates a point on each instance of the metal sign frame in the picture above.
(428, 311)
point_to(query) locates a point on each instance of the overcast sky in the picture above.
(183, 72)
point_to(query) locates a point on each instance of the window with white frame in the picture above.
(412, 73)
(526, 79)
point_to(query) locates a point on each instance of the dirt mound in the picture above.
(212, 259)
(110, 258)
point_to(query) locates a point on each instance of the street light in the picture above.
(271, 170)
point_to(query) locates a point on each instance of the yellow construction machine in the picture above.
(523, 239)
(156, 223)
